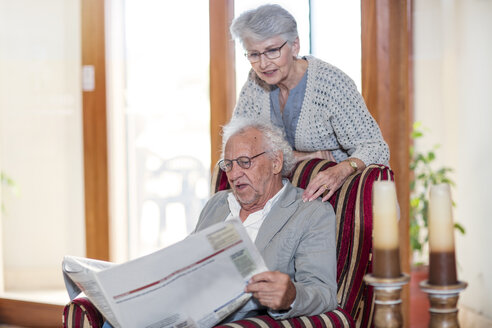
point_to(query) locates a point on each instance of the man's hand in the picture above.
(272, 289)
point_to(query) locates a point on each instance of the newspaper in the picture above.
(194, 283)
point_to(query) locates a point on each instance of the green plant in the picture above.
(424, 176)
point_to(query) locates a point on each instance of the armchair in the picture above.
(353, 208)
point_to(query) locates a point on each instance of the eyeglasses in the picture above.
(274, 53)
(243, 161)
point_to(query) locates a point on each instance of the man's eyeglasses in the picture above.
(274, 53)
(243, 161)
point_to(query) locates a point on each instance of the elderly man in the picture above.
(295, 238)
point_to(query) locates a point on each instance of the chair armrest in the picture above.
(80, 312)
(336, 318)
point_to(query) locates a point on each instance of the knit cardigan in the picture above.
(333, 115)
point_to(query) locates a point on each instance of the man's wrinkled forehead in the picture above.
(250, 138)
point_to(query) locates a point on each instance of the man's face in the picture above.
(253, 186)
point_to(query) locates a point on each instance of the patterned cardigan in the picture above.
(333, 114)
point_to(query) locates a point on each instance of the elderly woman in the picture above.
(318, 106)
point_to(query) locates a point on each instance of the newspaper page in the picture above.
(194, 283)
(80, 276)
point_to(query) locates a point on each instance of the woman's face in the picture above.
(278, 70)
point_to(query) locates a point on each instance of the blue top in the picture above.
(288, 120)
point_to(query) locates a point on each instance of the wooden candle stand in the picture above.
(443, 303)
(387, 311)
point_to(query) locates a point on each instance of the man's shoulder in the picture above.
(220, 196)
(315, 205)
(215, 210)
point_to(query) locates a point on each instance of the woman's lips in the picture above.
(269, 73)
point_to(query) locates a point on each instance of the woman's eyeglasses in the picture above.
(243, 161)
(274, 53)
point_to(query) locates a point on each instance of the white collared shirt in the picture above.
(254, 221)
(252, 225)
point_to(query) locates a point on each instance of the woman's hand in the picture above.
(330, 179)
(323, 154)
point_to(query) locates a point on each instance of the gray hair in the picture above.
(264, 22)
(273, 139)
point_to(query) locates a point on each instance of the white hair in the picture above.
(263, 23)
(273, 139)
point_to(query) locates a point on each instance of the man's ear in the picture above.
(278, 162)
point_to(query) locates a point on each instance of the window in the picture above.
(162, 117)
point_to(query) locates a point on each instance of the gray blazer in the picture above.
(298, 239)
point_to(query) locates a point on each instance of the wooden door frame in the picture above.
(222, 72)
(387, 88)
(95, 132)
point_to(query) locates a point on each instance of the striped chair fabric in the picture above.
(353, 209)
(81, 313)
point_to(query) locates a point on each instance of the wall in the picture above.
(41, 140)
(453, 79)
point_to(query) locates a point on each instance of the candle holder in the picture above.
(387, 310)
(443, 303)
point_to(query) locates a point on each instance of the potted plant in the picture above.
(424, 176)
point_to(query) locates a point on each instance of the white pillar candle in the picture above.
(385, 230)
(384, 215)
(442, 260)
(441, 226)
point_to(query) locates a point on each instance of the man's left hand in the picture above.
(272, 289)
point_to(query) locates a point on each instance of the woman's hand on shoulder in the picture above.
(323, 154)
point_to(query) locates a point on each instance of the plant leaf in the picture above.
(460, 228)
